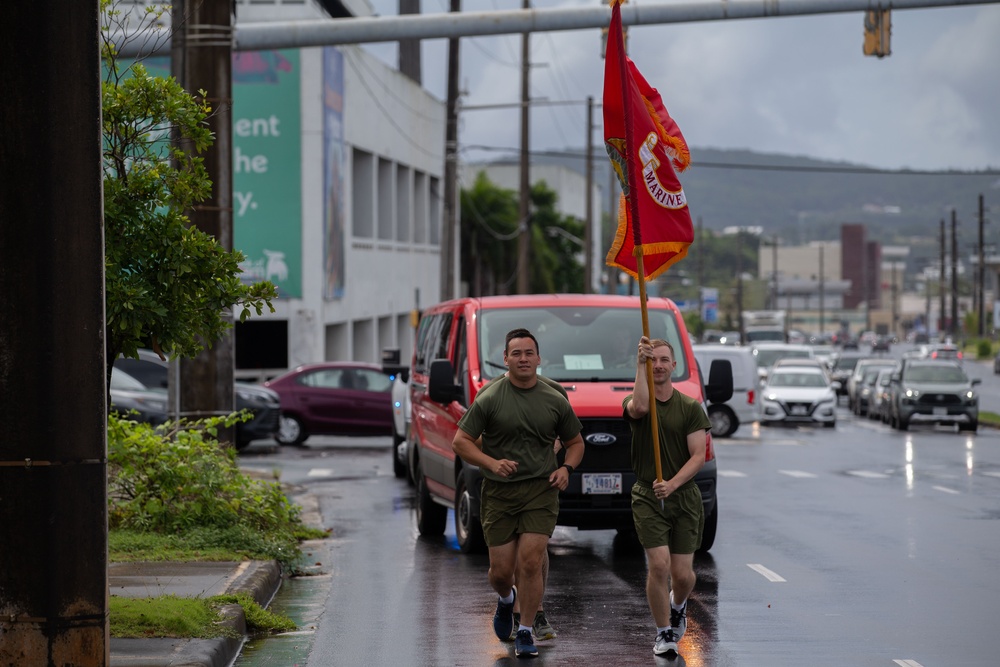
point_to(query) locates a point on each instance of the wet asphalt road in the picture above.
(853, 546)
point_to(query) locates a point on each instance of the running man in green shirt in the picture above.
(519, 418)
(669, 517)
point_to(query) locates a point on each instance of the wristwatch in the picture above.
(568, 467)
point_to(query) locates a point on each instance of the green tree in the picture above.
(167, 283)
(490, 231)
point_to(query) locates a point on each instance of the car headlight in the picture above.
(772, 397)
(246, 396)
(912, 393)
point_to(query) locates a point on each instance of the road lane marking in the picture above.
(907, 663)
(867, 474)
(945, 489)
(797, 473)
(732, 473)
(320, 472)
(770, 575)
(992, 474)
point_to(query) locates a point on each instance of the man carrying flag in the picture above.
(644, 145)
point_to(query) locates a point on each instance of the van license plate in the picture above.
(799, 410)
(602, 482)
(940, 411)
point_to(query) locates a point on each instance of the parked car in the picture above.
(399, 398)
(799, 395)
(263, 403)
(936, 392)
(744, 405)
(881, 344)
(860, 368)
(996, 364)
(866, 388)
(843, 368)
(133, 400)
(768, 353)
(879, 400)
(459, 348)
(937, 352)
(802, 362)
(333, 398)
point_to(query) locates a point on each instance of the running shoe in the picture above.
(513, 627)
(541, 628)
(503, 619)
(524, 645)
(666, 643)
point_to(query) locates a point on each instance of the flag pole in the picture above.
(633, 203)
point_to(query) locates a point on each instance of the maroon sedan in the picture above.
(333, 398)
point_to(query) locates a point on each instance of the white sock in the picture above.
(509, 599)
(677, 607)
(524, 627)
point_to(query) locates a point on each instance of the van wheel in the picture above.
(431, 517)
(468, 528)
(711, 525)
(724, 422)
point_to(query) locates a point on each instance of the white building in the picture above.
(353, 242)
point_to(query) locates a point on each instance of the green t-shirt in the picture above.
(520, 425)
(676, 417)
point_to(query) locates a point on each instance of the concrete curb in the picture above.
(260, 579)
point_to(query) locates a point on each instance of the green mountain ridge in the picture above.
(804, 199)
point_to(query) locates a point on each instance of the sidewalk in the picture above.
(261, 579)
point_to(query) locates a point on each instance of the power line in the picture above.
(760, 167)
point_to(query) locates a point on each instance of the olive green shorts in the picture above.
(678, 525)
(511, 508)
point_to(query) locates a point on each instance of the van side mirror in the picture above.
(441, 383)
(895, 378)
(976, 381)
(720, 381)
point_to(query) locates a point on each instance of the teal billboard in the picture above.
(267, 167)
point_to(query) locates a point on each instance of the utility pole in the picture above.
(941, 317)
(739, 281)
(588, 236)
(53, 462)
(954, 274)
(701, 271)
(205, 32)
(893, 295)
(774, 272)
(524, 210)
(981, 277)
(450, 231)
(821, 286)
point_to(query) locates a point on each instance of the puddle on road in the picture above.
(302, 599)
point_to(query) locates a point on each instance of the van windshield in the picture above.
(581, 344)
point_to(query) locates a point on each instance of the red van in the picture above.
(587, 343)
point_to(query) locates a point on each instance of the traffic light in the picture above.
(878, 28)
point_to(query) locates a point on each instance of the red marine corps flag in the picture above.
(642, 141)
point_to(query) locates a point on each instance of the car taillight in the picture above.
(959, 355)
(709, 449)
(933, 355)
(750, 397)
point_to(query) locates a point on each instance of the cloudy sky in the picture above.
(797, 86)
